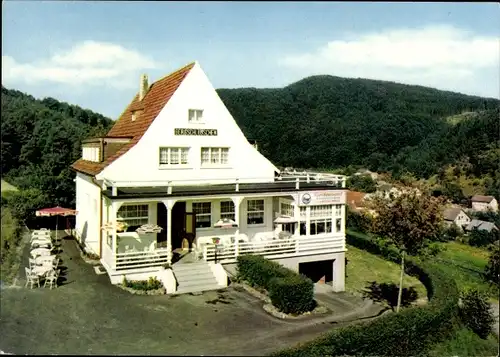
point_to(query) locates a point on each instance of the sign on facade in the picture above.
(322, 198)
(198, 132)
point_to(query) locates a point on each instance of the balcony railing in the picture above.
(274, 249)
(285, 178)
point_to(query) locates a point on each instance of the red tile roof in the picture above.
(156, 98)
(355, 199)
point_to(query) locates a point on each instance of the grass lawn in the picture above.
(7, 187)
(466, 264)
(364, 267)
(464, 343)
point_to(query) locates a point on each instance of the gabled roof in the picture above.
(481, 225)
(451, 213)
(156, 98)
(355, 199)
(480, 198)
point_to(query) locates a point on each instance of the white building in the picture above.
(484, 203)
(177, 158)
(456, 216)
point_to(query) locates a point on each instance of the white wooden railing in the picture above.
(135, 260)
(285, 177)
(275, 249)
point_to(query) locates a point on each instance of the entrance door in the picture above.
(161, 238)
(178, 224)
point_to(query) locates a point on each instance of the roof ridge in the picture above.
(174, 72)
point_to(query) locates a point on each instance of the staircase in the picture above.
(194, 277)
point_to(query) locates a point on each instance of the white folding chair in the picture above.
(31, 278)
(51, 279)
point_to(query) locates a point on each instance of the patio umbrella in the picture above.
(149, 228)
(114, 226)
(56, 211)
(225, 223)
(284, 219)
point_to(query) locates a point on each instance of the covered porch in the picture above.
(276, 225)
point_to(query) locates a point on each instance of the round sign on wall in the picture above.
(306, 198)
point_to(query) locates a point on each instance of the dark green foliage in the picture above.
(146, 285)
(361, 183)
(475, 312)
(408, 333)
(358, 221)
(483, 238)
(492, 269)
(259, 271)
(451, 232)
(293, 294)
(40, 139)
(380, 125)
(24, 203)
(289, 291)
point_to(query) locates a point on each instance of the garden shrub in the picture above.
(408, 333)
(145, 285)
(289, 291)
(292, 294)
(475, 312)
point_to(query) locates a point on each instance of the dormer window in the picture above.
(195, 115)
(134, 116)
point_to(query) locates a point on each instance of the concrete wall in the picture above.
(483, 206)
(195, 92)
(88, 205)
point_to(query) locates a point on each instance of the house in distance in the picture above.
(177, 160)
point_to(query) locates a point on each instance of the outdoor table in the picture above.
(45, 259)
(41, 270)
(41, 242)
(40, 252)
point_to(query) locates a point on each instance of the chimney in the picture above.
(143, 86)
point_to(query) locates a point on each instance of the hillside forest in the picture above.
(322, 122)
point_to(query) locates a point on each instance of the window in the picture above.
(321, 211)
(195, 115)
(338, 224)
(286, 209)
(338, 210)
(174, 156)
(319, 226)
(303, 213)
(133, 215)
(203, 212)
(227, 210)
(255, 212)
(214, 156)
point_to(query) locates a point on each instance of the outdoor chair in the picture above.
(31, 278)
(55, 263)
(32, 263)
(51, 279)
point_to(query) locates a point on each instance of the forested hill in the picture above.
(41, 138)
(328, 122)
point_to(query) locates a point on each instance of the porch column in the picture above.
(169, 204)
(237, 201)
(296, 234)
(114, 210)
(338, 282)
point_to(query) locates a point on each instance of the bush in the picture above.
(408, 333)
(475, 312)
(145, 285)
(293, 294)
(288, 291)
(492, 269)
(482, 238)
(258, 271)
(450, 233)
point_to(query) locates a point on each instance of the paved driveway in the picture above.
(87, 315)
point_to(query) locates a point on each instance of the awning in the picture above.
(285, 219)
(225, 223)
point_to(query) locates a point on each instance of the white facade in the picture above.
(172, 162)
(88, 205)
(195, 92)
(485, 206)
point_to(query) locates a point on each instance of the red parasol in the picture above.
(56, 211)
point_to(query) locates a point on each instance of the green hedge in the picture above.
(408, 333)
(290, 292)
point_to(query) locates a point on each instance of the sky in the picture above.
(93, 53)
